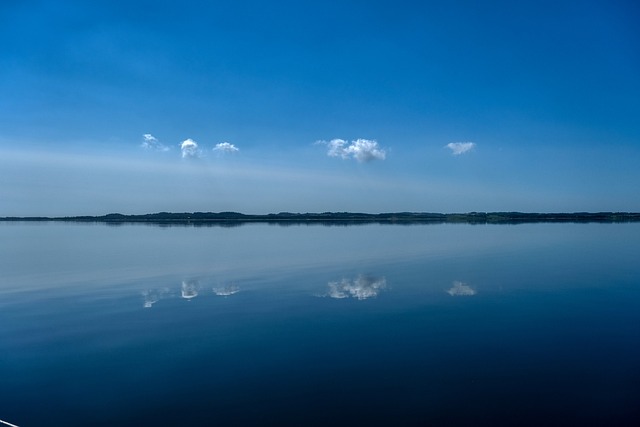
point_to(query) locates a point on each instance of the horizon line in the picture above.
(342, 217)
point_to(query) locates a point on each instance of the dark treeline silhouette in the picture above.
(343, 218)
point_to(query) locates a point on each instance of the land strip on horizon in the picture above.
(344, 217)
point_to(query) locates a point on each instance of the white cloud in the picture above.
(150, 142)
(460, 289)
(363, 150)
(189, 149)
(336, 148)
(225, 147)
(363, 287)
(458, 148)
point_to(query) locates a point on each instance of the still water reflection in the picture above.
(188, 289)
(534, 324)
(226, 290)
(152, 296)
(460, 289)
(362, 287)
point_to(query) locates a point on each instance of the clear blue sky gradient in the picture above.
(547, 91)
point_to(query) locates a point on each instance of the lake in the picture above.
(259, 324)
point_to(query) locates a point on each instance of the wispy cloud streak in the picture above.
(150, 142)
(458, 148)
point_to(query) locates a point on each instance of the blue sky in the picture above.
(258, 107)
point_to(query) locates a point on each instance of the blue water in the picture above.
(134, 325)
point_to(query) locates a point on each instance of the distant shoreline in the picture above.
(337, 218)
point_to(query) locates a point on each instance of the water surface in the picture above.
(532, 324)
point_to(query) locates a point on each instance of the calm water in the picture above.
(134, 325)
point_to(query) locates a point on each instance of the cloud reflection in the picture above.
(152, 296)
(362, 287)
(226, 290)
(460, 289)
(190, 289)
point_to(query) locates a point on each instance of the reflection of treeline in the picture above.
(343, 218)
